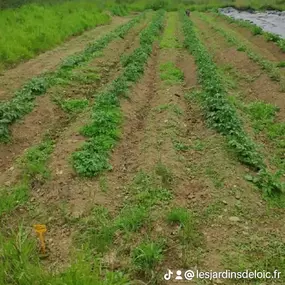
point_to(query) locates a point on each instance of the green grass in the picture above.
(33, 28)
(147, 256)
(180, 216)
(168, 39)
(170, 73)
(261, 114)
(103, 131)
(20, 264)
(254, 255)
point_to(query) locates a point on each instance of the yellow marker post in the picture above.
(41, 230)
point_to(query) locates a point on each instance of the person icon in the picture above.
(178, 273)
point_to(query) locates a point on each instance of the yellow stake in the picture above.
(40, 230)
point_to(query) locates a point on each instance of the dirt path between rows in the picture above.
(14, 78)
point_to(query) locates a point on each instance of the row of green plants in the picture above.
(222, 116)
(32, 29)
(23, 101)
(256, 30)
(269, 66)
(103, 131)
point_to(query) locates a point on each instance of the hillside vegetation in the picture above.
(33, 28)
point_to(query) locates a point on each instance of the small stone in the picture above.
(225, 202)
(234, 219)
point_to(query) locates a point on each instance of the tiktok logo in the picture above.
(168, 275)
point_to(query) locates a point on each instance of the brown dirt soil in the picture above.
(47, 116)
(14, 78)
(256, 84)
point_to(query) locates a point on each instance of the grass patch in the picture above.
(254, 255)
(33, 163)
(169, 39)
(180, 146)
(147, 256)
(189, 235)
(261, 114)
(74, 106)
(33, 28)
(170, 73)
(180, 216)
(21, 265)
